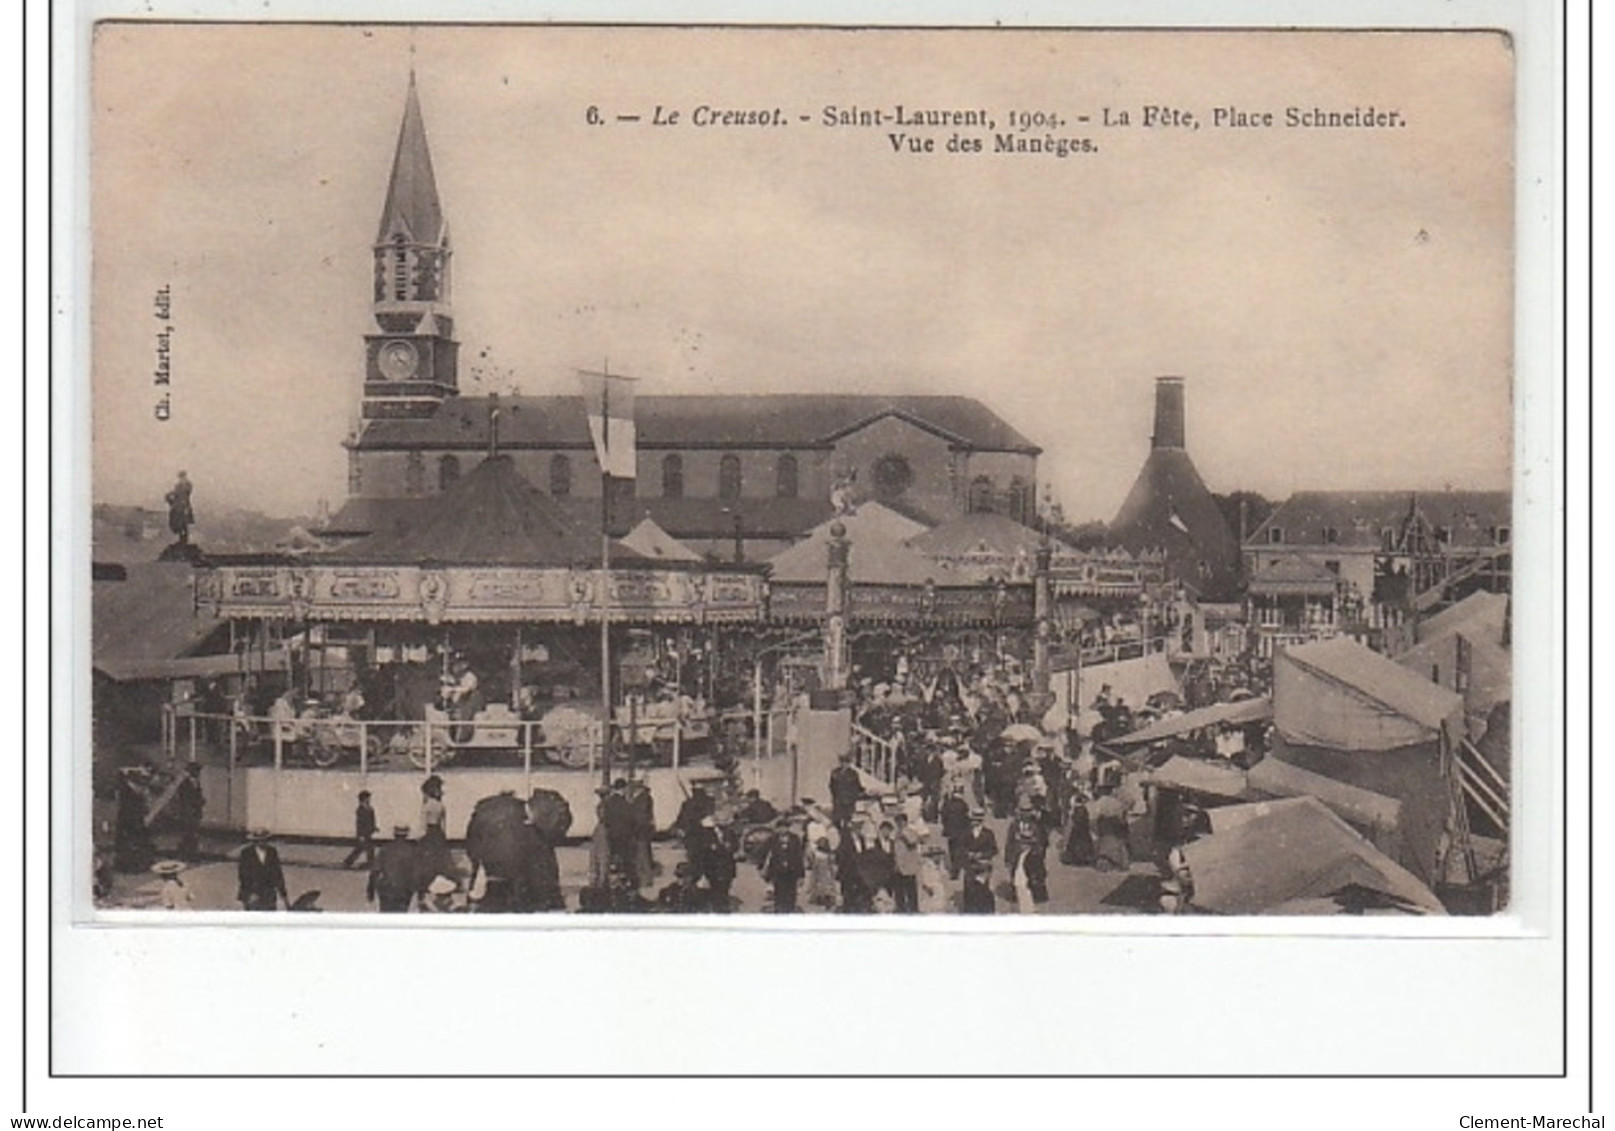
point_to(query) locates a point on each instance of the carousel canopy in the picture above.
(880, 554)
(651, 541)
(492, 517)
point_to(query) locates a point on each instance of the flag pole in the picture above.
(605, 575)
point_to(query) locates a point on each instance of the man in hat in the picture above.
(980, 848)
(846, 788)
(785, 863)
(622, 825)
(188, 811)
(261, 884)
(713, 855)
(906, 861)
(697, 805)
(955, 817)
(364, 833)
(173, 895)
(394, 879)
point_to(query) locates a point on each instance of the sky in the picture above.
(1340, 301)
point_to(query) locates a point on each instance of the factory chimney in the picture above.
(1168, 413)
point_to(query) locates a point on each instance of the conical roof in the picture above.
(412, 204)
(491, 517)
(653, 542)
(1170, 509)
(880, 554)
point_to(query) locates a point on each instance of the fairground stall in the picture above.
(483, 643)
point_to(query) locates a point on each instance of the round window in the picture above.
(893, 476)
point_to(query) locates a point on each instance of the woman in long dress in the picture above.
(1079, 848)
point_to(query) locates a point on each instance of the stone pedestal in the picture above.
(824, 736)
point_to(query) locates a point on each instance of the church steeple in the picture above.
(412, 362)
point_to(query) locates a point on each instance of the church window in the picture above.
(981, 495)
(400, 268)
(415, 474)
(729, 477)
(673, 476)
(448, 472)
(1020, 501)
(785, 477)
(560, 476)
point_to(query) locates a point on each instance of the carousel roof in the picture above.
(982, 533)
(653, 542)
(880, 554)
(491, 517)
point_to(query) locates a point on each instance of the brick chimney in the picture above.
(1168, 413)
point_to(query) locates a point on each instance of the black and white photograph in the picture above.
(675, 471)
(665, 549)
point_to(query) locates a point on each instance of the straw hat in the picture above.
(168, 867)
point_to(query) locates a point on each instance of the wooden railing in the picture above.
(1483, 786)
(874, 755)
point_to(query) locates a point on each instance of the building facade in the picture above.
(746, 473)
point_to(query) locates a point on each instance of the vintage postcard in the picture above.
(675, 471)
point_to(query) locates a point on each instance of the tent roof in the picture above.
(1199, 776)
(1170, 509)
(1217, 714)
(1359, 806)
(982, 532)
(491, 516)
(1479, 616)
(149, 618)
(1270, 853)
(1388, 683)
(651, 541)
(880, 554)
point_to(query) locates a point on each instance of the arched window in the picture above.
(448, 472)
(400, 267)
(981, 494)
(414, 474)
(785, 483)
(1020, 501)
(560, 476)
(729, 477)
(673, 476)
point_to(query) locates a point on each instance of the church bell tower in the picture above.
(411, 360)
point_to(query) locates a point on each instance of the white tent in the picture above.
(1338, 694)
(651, 541)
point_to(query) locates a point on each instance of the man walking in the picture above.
(364, 833)
(785, 864)
(188, 811)
(261, 883)
(846, 787)
(394, 878)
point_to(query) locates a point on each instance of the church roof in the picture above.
(412, 203)
(490, 517)
(787, 420)
(1170, 509)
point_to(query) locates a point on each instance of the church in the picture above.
(737, 476)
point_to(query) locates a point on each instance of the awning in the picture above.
(196, 667)
(1363, 808)
(1199, 776)
(1218, 714)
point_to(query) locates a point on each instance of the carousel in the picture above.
(493, 641)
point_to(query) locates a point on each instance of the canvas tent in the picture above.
(1264, 856)
(1479, 616)
(1373, 814)
(878, 536)
(1217, 714)
(1340, 695)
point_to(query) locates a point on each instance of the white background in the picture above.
(197, 1000)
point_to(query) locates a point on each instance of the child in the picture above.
(173, 895)
(364, 833)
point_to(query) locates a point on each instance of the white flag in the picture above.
(608, 402)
